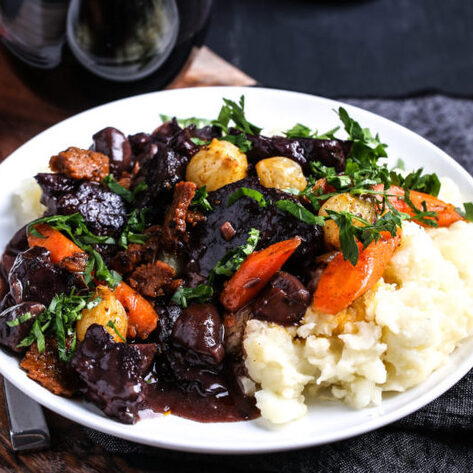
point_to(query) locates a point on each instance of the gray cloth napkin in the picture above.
(438, 437)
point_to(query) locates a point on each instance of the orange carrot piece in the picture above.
(142, 318)
(446, 213)
(341, 282)
(59, 246)
(255, 272)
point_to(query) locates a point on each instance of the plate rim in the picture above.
(46, 398)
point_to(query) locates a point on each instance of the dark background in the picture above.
(371, 48)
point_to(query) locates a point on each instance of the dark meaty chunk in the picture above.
(34, 278)
(153, 279)
(113, 373)
(48, 370)
(168, 314)
(331, 153)
(174, 227)
(16, 245)
(283, 301)
(128, 260)
(12, 336)
(207, 245)
(104, 211)
(3, 287)
(199, 333)
(78, 163)
(6, 302)
(114, 144)
(165, 167)
(235, 324)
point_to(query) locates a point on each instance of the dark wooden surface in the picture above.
(23, 114)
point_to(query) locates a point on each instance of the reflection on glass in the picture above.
(33, 30)
(122, 40)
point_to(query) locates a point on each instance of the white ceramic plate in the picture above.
(273, 109)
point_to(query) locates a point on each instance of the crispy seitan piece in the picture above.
(174, 227)
(154, 279)
(48, 370)
(78, 163)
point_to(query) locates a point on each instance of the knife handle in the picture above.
(28, 427)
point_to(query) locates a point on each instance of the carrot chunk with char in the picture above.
(341, 282)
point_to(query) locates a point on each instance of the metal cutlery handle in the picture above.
(28, 428)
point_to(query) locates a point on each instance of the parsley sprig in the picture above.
(201, 199)
(134, 228)
(126, 194)
(59, 317)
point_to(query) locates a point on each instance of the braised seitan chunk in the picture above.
(78, 163)
(48, 370)
(154, 279)
(174, 227)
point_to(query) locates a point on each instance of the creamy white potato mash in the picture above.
(390, 339)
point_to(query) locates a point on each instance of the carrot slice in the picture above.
(341, 282)
(142, 318)
(255, 272)
(446, 213)
(59, 246)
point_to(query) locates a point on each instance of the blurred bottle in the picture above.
(82, 52)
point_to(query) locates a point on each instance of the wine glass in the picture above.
(122, 40)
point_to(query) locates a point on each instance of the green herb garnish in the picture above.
(126, 194)
(234, 258)
(300, 212)
(302, 131)
(199, 142)
(112, 325)
(61, 317)
(201, 294)
(134, 228)
(468, 211)
(247, 192)
(21, 319)
(201, 199)
(416, 181)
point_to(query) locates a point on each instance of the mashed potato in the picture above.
(390, 339)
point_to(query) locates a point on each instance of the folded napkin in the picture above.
(438, 437)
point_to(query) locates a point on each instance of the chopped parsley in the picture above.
(300, 212)
(199, 142)
(201, 199)
(134, 228)
(302, 131)
(247, 192)
(112, 325)
(202, 293)
(234, 258)
(21, 319)
(468, 214)
(126, 194)
(59, 317)
(416, 181)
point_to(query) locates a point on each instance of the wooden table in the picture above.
(23, 114)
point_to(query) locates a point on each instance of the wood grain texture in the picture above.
(23, 114)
